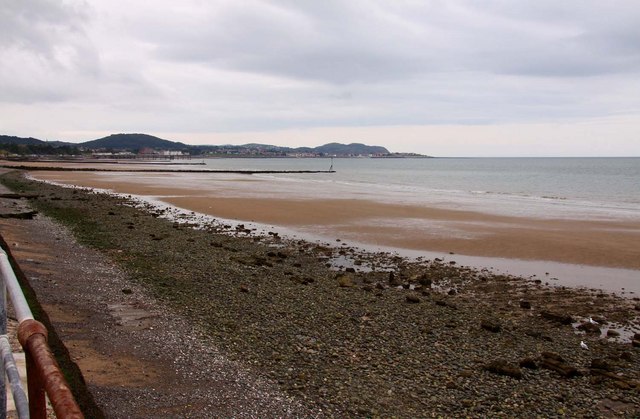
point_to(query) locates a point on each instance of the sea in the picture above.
(598, 189)
(584, 189)
(575, 188)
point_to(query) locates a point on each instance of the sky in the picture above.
(444, 78)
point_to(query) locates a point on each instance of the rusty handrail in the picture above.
(43, 372)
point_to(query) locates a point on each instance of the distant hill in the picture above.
(9, 139)
(33, 146)
(133, 142)
(136, 142)
(332, 149)
(353, 149)
(350, 149)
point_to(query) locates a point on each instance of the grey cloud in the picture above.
(371, 41)
(44, 50)
(567, 39)
(263, 65)
(338, 46)
(38, 25)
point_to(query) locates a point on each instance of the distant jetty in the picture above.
(94, 169)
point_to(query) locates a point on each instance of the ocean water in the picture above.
(574, 188)
(549, 188)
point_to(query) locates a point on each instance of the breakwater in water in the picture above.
(148, 170)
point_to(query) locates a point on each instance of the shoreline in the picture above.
(620, 281)
(598, 243)
(406, 339)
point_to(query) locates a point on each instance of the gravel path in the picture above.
(280, 331)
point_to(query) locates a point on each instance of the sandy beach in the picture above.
(385, 337)
(603, 243)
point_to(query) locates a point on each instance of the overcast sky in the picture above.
(447, 78)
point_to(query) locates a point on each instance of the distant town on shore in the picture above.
(124, 146)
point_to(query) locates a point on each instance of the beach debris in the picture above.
(502, 367)
(393, 280)
(616, 408)
(18, 196)
(555, 362)
(490, 325)
(529, 363)
(21, 215)
(626, 356)
(589, 328)
(601, 364)
(583, 345)
(412, 299)
(443, 303)
(526, 305)
(592, 321)
(556, 317)
(602, 369)
(302, 280)
(260, 261)
(613, 333)
(425, 281)
(538, 335)
(345, 281)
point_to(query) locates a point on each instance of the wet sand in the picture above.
(613, 244)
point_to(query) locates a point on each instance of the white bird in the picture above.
(592, 321)
(583, 345)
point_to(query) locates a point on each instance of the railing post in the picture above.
(35, 389)
(44, 372)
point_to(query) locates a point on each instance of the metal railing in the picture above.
(43, 373)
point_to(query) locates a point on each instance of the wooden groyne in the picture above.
(94, 169)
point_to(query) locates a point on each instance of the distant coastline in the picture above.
(143, 146)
